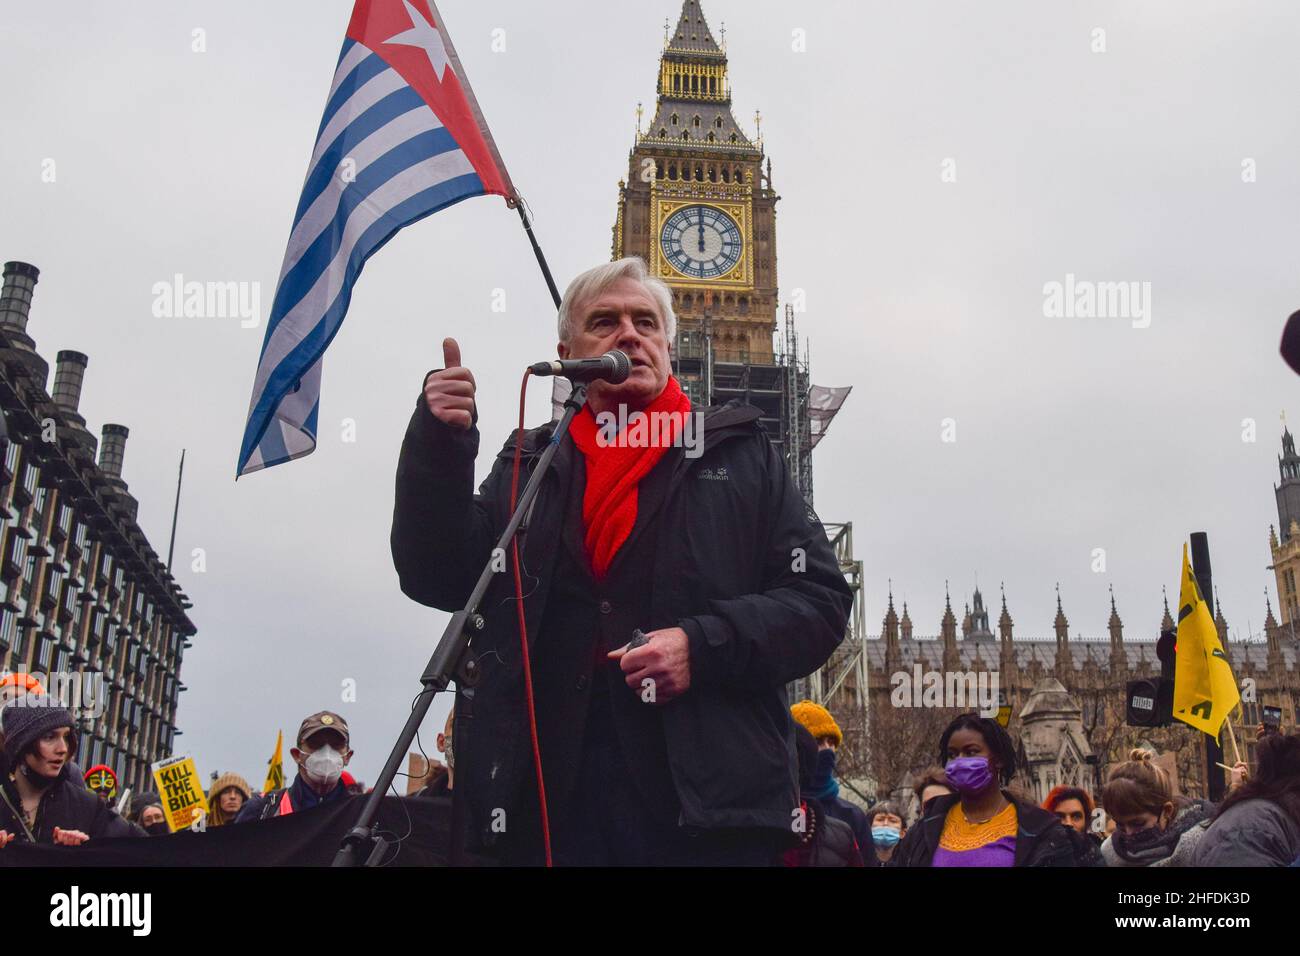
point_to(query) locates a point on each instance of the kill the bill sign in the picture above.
(183, 800)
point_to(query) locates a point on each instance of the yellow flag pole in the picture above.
(1233, 737)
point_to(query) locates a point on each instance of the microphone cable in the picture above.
(523, 630)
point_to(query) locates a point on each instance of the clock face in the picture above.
(701, 242)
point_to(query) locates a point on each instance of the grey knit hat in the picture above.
(141, 801)
(26, 721)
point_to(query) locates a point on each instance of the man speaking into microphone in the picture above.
(676, 752)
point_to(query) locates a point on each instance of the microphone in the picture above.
(613, 367)
(1291, 342)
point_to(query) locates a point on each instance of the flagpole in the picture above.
(1232, 736)
(518, 203)
(176, 510)
(1204, 581)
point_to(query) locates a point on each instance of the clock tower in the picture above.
(698, 205)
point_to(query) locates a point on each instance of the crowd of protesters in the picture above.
(46, 799)
(970, 814)
(967, 812)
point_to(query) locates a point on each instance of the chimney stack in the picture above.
(16, 295)
(112, 450)
(69, 373)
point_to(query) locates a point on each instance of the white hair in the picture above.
(595, 281)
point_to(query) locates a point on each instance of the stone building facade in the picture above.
(84, 599)
(1070, 688)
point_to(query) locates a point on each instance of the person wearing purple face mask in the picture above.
(982, 824)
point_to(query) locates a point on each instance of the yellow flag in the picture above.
(1205, 691)
(275, 766)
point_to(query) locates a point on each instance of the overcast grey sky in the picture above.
(927, 296)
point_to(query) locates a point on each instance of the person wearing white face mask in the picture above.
(322, 753)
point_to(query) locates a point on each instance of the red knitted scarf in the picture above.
(615, 469)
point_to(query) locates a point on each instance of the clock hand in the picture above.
(701, 230)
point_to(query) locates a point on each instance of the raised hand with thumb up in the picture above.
(449, 393)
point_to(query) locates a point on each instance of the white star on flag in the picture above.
(426, 36)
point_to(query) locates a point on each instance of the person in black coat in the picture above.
(826, 731)
(323, 748)
(983, 824)
(40, 800)
(822, 839)
(16, 686)
(678, 751)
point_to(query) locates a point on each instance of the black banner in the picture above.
(417, 828)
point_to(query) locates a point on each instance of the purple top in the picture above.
(1001, 852)
(990, 842)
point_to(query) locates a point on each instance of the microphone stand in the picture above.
(450, 660)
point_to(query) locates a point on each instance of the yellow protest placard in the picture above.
(183, 799)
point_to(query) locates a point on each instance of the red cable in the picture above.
(523, 632)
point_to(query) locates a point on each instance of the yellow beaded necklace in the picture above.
(961, 834)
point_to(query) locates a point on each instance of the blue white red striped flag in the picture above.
(402, 137)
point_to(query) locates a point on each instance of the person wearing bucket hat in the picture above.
(324, 749)
(41, 801)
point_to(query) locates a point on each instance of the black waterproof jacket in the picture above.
(1041, 840)
(724, 547)
(68, 805)
(833, 843)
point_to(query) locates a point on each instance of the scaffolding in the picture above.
(849, 661)
(778, 389)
